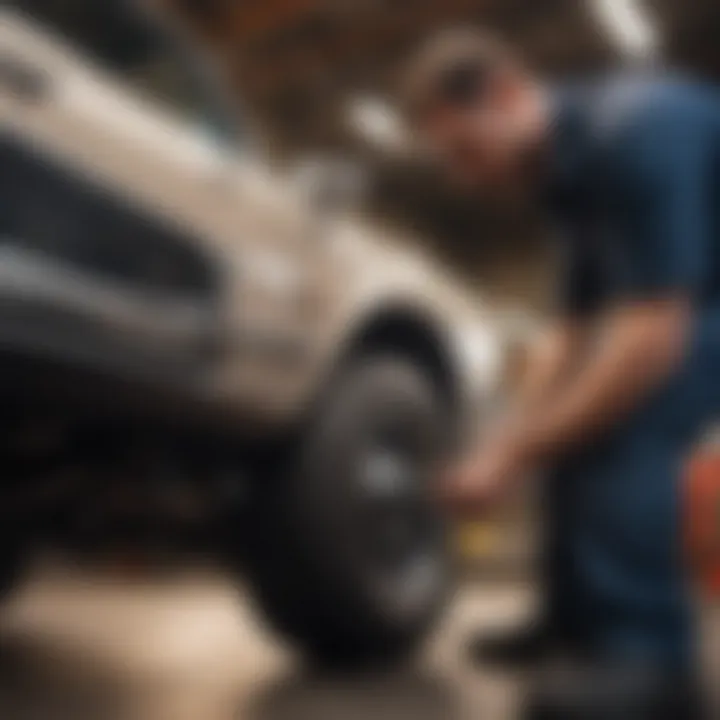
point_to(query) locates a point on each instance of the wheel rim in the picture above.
(400, 533)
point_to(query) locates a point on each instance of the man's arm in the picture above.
(635, 348)
(552, 357)
(638, 345)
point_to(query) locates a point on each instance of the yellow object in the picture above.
(478, 539)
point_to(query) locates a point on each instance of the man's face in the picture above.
(483, 147)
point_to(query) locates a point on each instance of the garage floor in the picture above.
(187, 647)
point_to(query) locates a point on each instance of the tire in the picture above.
(345, 549)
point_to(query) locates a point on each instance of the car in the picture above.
(194, 345)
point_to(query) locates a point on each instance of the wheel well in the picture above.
(405, 333)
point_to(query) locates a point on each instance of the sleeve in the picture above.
(659, 200)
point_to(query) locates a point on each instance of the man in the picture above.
(627, 375)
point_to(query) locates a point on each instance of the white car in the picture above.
(190, 349)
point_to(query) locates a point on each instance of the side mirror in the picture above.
(332, 185)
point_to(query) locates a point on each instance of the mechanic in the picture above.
(623, 381)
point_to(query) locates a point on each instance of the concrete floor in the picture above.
(188, 647)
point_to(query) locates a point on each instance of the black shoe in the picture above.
(516, 649)
(613, 693)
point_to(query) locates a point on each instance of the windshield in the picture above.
(148, 56)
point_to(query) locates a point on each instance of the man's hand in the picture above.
(485, 477)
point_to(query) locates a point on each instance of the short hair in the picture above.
(453, 68)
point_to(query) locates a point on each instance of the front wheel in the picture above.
(345, 548)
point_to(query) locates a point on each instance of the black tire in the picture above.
(347, 563)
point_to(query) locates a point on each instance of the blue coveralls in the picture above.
(636, 195)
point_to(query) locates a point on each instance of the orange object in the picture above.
(703, 518)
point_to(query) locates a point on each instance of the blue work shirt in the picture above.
(635, 191)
